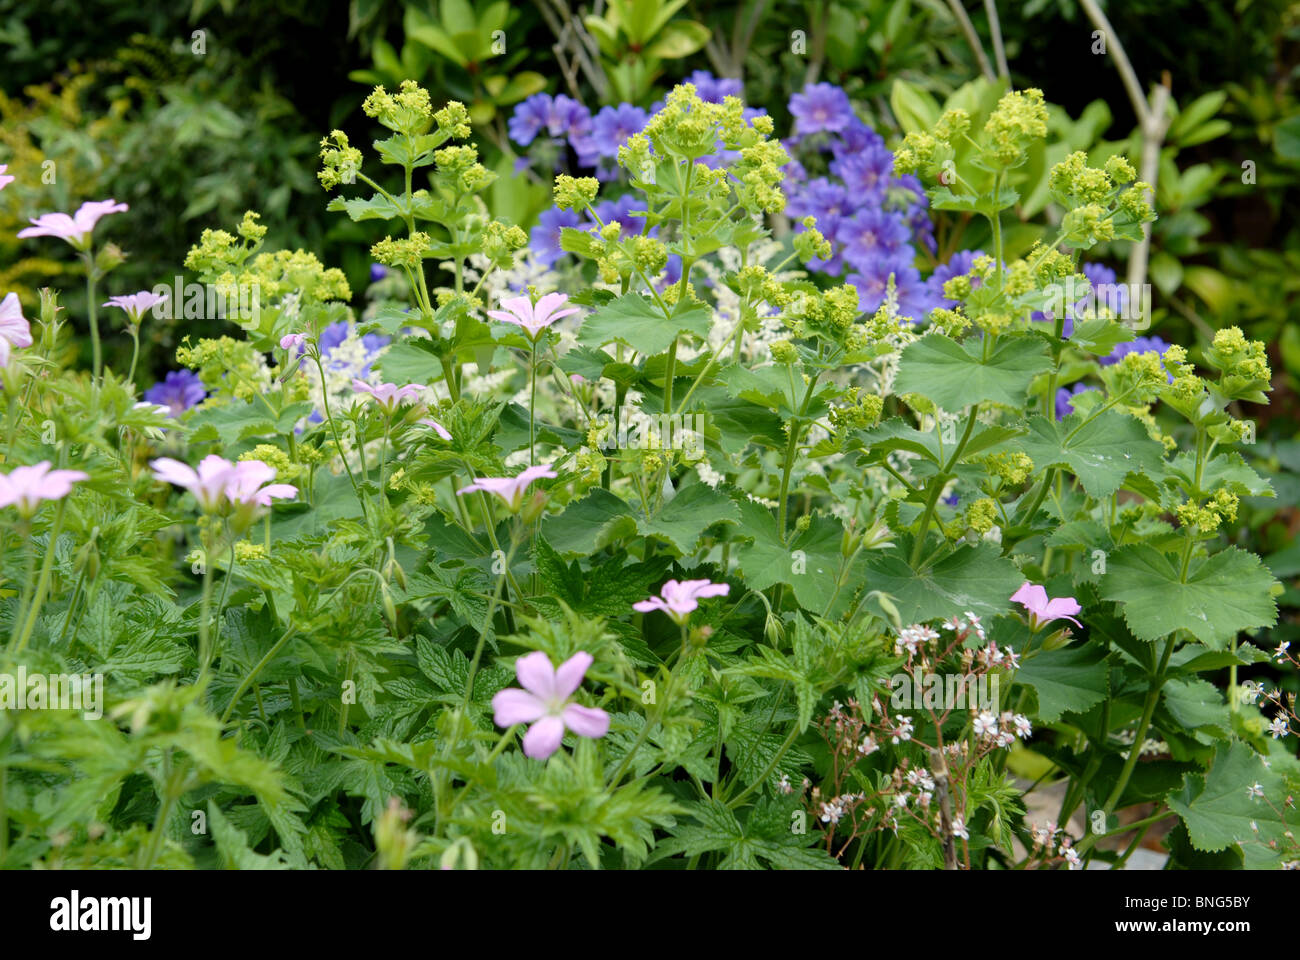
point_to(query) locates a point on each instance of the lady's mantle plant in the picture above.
(781, 583)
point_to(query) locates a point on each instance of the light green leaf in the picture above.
(685, 517)
(1222, 595)
(1100, 452)
(1069, 679)
(639, 323)
(971, 578)
(955, 375)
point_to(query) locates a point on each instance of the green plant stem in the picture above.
(338, 443)
(762, 777)
(96, 352)
(261, 665)
(43, 583)
(935, 487)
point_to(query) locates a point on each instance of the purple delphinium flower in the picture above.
(713, 89)
(872, 284)
(872, 234)
(619, 211)
(959, 265)
(568, 118)
(529, 118)
(377, 272)
(612, 126)
(544, 239)
(178, 391)
(1065, 398)
(822, 107)
(866, 173)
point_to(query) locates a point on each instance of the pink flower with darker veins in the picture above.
(521, 312)
(511, 489)
(679, 599)
(15, 331)
(75, 229)
(28, 487)
(137, 303)
(388, 395)
(218, 482)
(544, 703)
(1043, 611)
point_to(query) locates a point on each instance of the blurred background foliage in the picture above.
(127, 100)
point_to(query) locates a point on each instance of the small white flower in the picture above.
(1278, 728)
(1256, 790)
(959, 829)
(1072, 858)
(986, 724)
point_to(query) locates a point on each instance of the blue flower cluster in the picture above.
(178, 391)
(874, 220)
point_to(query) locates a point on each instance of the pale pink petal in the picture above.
(173, 471)
(516, 706)
(586, 721)
(543, 738)
(1032, 596)
(536, 675)
(569, 674)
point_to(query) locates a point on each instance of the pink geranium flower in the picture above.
(4, 180)
(544, 703)
(679, 599)
(292, 341)
(250, 484)
(1042, 610)
(534, 319)
(388, 395)
(438, 428)
(218, 482)
(27, 487)
(208, 483)
(137, 303)
(15, 331)
(75, 229)
(511, 489)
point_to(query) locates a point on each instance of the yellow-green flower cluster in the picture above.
(1206, 519)
(458, 167)
(500, 242)
(1243, 365)
(214, 358)
(453, 119)
(982, 515)
(811, 244)
(1019, 119)
(858, 411)
(341, 161)
(403, 252)
(408, 111)
(951, 323)
(575, 193)
(286, 271)
(1012, 469)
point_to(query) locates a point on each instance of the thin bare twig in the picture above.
(972, 38)
(995, 28)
